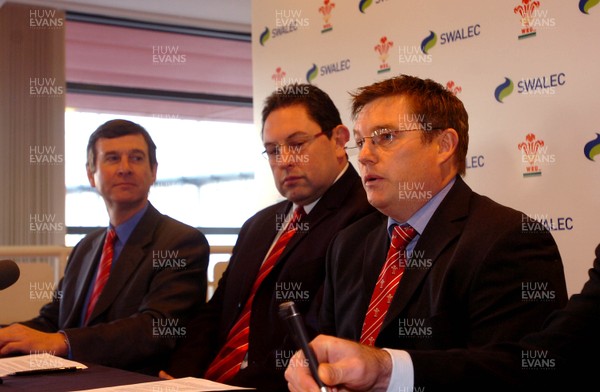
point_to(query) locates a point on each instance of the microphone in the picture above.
(9, 273)
(289, 313)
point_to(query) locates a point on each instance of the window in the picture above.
(205, 169)
(193, 95)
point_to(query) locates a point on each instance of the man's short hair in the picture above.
(433, 105)
(117, 128)
(318, 104)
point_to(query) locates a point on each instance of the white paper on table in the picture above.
(186, 384)
(35, 361)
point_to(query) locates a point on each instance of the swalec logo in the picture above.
(364, 4)
(429, 42)
(312, 73)
(264, 37)
(592, 148)
(586, 5)
(504, 90)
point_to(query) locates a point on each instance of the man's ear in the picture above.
(447, 144)
(341, 135)
(90, 175)
(154, 171)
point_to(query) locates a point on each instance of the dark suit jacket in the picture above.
(298, 275)
(570, 337)
(562, 356)
(480, 276)
(156, 284)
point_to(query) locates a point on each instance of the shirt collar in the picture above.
(125, 229)
(421, 218)
(309, 207)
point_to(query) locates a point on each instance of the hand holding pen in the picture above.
(293, 319)
(344, 366)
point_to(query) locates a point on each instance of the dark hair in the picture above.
(117, 128)
(436, 106)
(318, 104)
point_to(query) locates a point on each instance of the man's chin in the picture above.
(125, 202)
(296, 195)
(376, 202)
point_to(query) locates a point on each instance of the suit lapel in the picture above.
(91, 258)
(270, 225)
(330, 203)
(374, 258)
(445, 226)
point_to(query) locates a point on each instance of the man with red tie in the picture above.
(279, 256)
(558, 357)
(439, 266)
(116, 291)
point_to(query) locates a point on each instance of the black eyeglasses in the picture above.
(383, 137)
(295, 145)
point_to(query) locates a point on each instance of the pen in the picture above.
(44, 371)
(288, 312)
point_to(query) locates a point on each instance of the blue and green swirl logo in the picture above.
(592, 148)
(265, 36)
(504, 90)
(364, 4)
(429, 42)
(312, 73)
(586, 5)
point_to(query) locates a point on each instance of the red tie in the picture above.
(229, 359)
(387, 283)
(102, 273)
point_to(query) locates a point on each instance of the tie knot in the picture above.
(299, 213)
(110, 236)
(402, 235)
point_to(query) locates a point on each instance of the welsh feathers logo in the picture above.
(383, 49)
(278, 77)
(265, 36)
(586, 5)
(429, 42)
(530, 151)
(312, 73)
(364, 4)
(526, 11)
(592, 148)
(453, 87)
(326, 9)
(504, 90)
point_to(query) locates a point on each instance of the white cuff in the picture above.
(403, 377)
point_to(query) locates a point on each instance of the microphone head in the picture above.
(9, 273)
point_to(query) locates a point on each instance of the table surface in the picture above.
(94, 376)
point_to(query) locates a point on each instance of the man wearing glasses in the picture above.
(439, 266)
(279, 256)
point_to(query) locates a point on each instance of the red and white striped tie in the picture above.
(229, 359)
(387, 283)
(102, 273)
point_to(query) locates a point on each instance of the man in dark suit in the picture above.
(305, 145)
(471, 271)
(127, 310)
(561, 356)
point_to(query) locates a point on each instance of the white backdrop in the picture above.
(527, 72)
